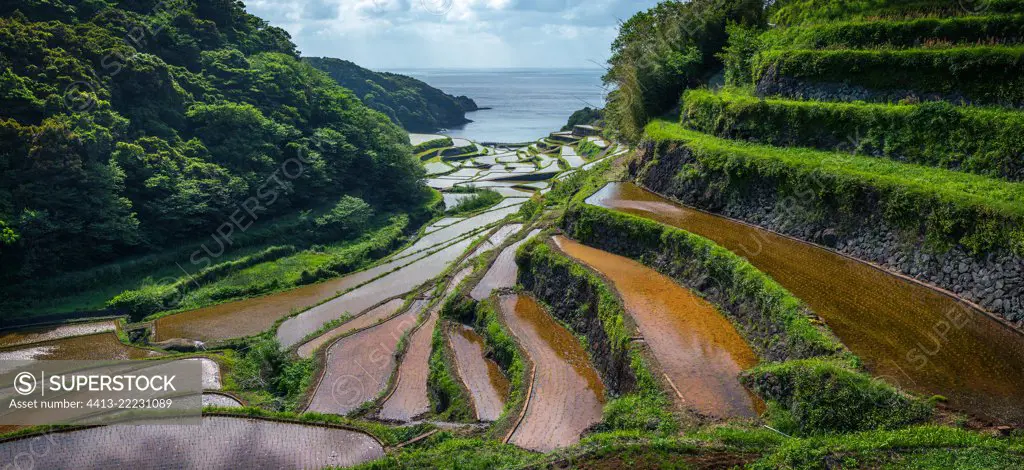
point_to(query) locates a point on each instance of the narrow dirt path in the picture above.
(488, 387)
(567, 393)
(358, 366)
(219, 443)
(410, 398)
(697, 348)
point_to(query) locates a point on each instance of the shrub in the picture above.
(483, 198)
(819, 396)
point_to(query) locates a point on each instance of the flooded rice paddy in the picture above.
(907, 334)
(697, 348)
(100, 346)
(219, 443)
(219, 400)
(396, 283)
(488, 387)
(252, 316)
(52, 332)
(410, 398)
(502, 273)
(567, 395)
(370, 318)
(358, 366)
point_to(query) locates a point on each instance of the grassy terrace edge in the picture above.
(896, 33)
(793, 12)
(978, 74)
(947, 207)
(984, 141)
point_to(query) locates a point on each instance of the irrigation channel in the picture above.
(698, 349)
(906, 333)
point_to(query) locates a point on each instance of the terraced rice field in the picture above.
(399, 282)
(54, 332)
(698, 350)
(358, 366)
(487, 386)
(570, 157)
(894, 325)
(409, 398)
(502, 273)
(100, 346)
(370, 318)
(219, 443)
(567, 394)
(255, 315)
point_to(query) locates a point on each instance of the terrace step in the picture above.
(991, 75)
(988, 142)
(862, 34)
(796, 12)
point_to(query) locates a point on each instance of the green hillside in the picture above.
(409, 102)
(134, 127)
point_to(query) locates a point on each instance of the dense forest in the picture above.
(131, 126)
(409, 102)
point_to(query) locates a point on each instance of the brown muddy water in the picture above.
(697, 348)
(410, 399)
(248, 317)
(100, 346)
(567, 395)
(219, 443)
(503, 271)
(907, 334)
(52, 332)
(370, 318)
(358, 366)
(488, 387)
(396, 283)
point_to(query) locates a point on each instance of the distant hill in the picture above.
(409, 102)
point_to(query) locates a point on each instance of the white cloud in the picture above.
(389, 34)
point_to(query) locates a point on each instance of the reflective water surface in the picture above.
(910, 335)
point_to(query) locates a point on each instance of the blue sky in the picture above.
(396, 34)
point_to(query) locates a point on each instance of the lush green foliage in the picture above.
(664, 50)
(820, 396)
(588, 149)
(981, 74)
(984, 141)
(773, 322)
(265, 367)
(926, 447)
(945, 207)
(409, 102)
(114, 144)
(443, 451)
(481, 199)
(899, 33)
(585, 116)
(791, 12)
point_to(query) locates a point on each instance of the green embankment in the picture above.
(964, 30)
(793, 12)
(978, 74)
(431, 145)
(986, 141)
(945, 207)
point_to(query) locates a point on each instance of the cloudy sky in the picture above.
(397, 34)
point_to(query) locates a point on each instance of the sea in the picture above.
(526, 104)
